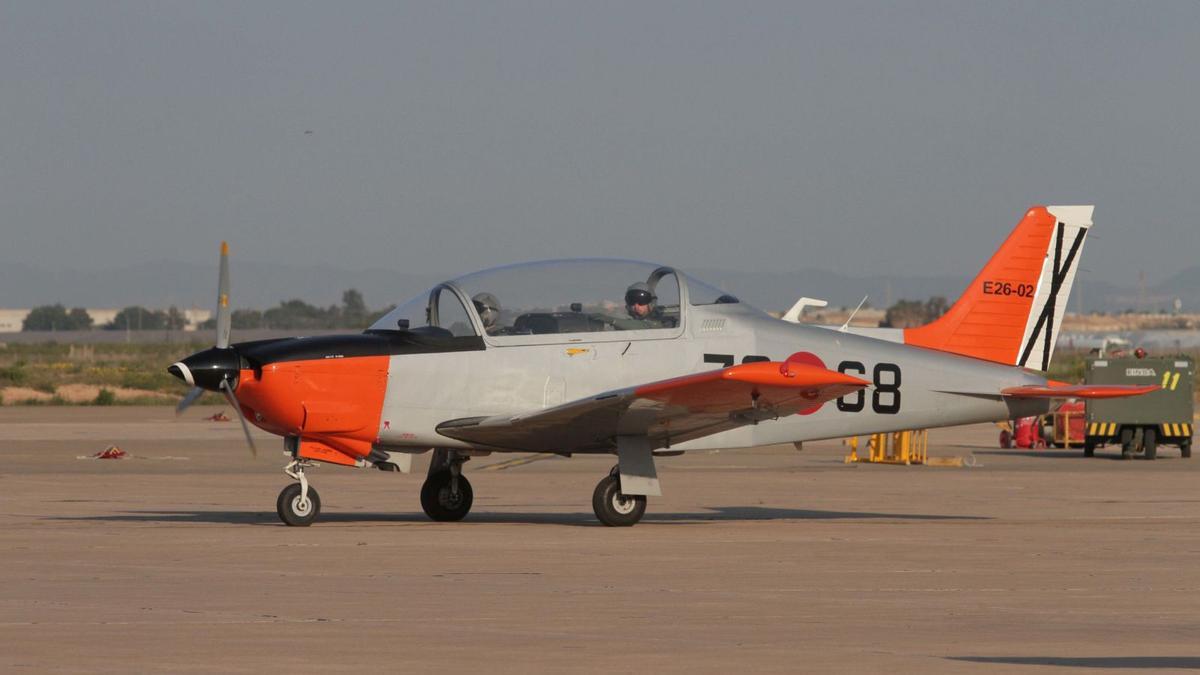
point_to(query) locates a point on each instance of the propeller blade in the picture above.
(224, 321)
(188, 400)
(228, 391)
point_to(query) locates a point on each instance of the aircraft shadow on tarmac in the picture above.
(1147, 662)
(717, 513)
(1055, 454)
(1035, 454)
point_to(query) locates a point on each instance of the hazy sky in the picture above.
(874, 137)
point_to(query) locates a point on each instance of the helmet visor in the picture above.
(638, 297)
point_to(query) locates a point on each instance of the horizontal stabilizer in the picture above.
(1052, 390)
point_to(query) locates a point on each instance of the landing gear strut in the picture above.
(298, 504)
(446, 495)
(613, 508)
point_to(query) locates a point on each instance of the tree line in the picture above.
(912, 313)
(289, 314)
(353, 313)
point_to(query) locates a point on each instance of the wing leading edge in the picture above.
(666, 412)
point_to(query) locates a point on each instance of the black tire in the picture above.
(1126, 443)
(443, 505)
(1046, 431)
(613, 508)
(1185, 448)
(292, 512)
(1150, 442)
(1089, 448)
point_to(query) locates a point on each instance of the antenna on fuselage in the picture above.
(851, 317)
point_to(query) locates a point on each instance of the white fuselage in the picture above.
(519, 374)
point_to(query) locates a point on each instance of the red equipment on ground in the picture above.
(1026, 434)
(1067, 425)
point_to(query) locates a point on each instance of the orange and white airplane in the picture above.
(639, 361)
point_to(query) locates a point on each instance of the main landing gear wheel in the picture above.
(446, 497)
(613, 508)
(295, 510)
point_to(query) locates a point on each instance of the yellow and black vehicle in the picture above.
(1142, 423)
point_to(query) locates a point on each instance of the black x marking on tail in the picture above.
(1057, 276)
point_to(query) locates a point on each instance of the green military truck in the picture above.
(1142, 423)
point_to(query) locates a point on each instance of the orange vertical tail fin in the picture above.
(1012, 311)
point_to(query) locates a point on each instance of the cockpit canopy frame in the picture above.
(554, 301)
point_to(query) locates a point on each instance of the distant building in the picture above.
(195, 317)
(100, 317)
(12, 320)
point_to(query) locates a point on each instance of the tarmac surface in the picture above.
(767, 560)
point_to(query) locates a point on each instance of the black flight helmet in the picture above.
(639, 294)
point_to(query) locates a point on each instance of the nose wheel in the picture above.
(298, 504)
(613, 508)
(296, 509)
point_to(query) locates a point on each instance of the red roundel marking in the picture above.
(808, 359)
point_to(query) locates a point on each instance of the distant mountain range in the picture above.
(263, 285)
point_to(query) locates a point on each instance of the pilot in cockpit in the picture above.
(489, 312)
(640, 305)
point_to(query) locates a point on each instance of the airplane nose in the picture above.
(207, 369)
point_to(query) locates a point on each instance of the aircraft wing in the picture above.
(666, 412)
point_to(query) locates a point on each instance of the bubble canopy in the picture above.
(591, 295)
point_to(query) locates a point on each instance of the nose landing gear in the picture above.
(298, 504)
